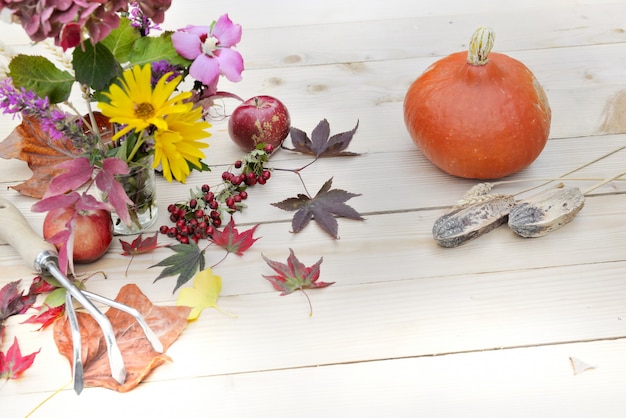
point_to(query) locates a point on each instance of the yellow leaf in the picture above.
(204, 293)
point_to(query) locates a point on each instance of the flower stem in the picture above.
(140, 140)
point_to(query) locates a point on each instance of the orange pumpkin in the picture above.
(476, 114)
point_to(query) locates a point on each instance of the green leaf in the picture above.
(40, 75)
(55, 298)
(149, 49)
(121, 40)
(95, 66)
(189, 258)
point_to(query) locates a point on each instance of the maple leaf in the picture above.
(40, 285)
(323, 208)
(321, 144)
(204, 293)
(13, 364)
(76, 172)
(29, 143)
(189, 258)
(232, 241)
(168, 322)
(139, 246)
(46, 316)
(13, 301)
(105, 180)
(295, 276)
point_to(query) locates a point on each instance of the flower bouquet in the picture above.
(138, 116)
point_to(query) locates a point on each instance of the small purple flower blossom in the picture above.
(162, 67)
(210, 49)
(53, 121)
(139, 20)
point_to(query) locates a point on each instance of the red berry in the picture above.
(171, 207)
(215, 214)
(205, 188)
(163, 229)
(217, 222)
(238, 164)
(193, 203)
(243, 194)
(184, 240)
(269, 148)
(266, 174)
(173, 217)
(171, 232)
(213, 204)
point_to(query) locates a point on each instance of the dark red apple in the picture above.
(93, 231)
(259, 119)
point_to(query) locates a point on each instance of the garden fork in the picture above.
(33, 249)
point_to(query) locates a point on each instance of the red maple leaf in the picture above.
(46, 316)
(13, 301)
(232, 241)
(139, 246)
(39, 286)
(295, 276)
(13, 364)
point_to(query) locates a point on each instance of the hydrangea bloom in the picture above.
(60, 19)
(210, 49)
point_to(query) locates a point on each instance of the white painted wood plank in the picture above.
(535, 381)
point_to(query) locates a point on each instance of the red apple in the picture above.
(93, 231)
(259, 119)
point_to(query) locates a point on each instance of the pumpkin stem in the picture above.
(480, 46)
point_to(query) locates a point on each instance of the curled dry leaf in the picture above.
(167, 322)
(29, 143)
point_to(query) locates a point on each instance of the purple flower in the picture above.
(139, 20)
(210, 49)
(162, 67)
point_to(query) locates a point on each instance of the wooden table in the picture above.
(410, 328)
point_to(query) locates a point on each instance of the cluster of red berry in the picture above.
(198, 217)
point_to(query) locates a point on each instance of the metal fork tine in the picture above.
(77, 365)
(150, 335)
(118, 371)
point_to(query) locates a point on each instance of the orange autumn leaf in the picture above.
(167, 322)
(28, 143)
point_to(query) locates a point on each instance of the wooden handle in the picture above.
(17, 232)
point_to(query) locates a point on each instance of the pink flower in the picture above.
(210, 49)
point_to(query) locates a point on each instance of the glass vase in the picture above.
(140, 186)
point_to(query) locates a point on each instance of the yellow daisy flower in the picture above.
(137, 105)
(179, 145)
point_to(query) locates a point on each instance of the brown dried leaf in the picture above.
(167, 322)
(28, 143)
